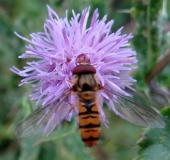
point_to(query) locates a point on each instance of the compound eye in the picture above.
(84, 68)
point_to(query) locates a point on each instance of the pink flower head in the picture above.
(65, 43)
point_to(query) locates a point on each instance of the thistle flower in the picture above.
(57, 49)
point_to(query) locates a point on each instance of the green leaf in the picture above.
(48, 151)
(62, 143)
(62, 131)
(28, 150)
(155, 143)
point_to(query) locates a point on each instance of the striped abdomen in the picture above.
(89, 122)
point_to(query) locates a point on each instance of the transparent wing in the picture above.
(45, 120)
(132, 111)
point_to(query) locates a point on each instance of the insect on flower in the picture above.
(78, 69)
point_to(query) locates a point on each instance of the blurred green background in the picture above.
(118, 142)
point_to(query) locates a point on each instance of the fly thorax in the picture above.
(86, 82)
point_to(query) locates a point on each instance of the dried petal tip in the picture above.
(82, 58)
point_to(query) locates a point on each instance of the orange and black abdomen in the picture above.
(89, 122)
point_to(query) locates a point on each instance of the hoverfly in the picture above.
(86, 87)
